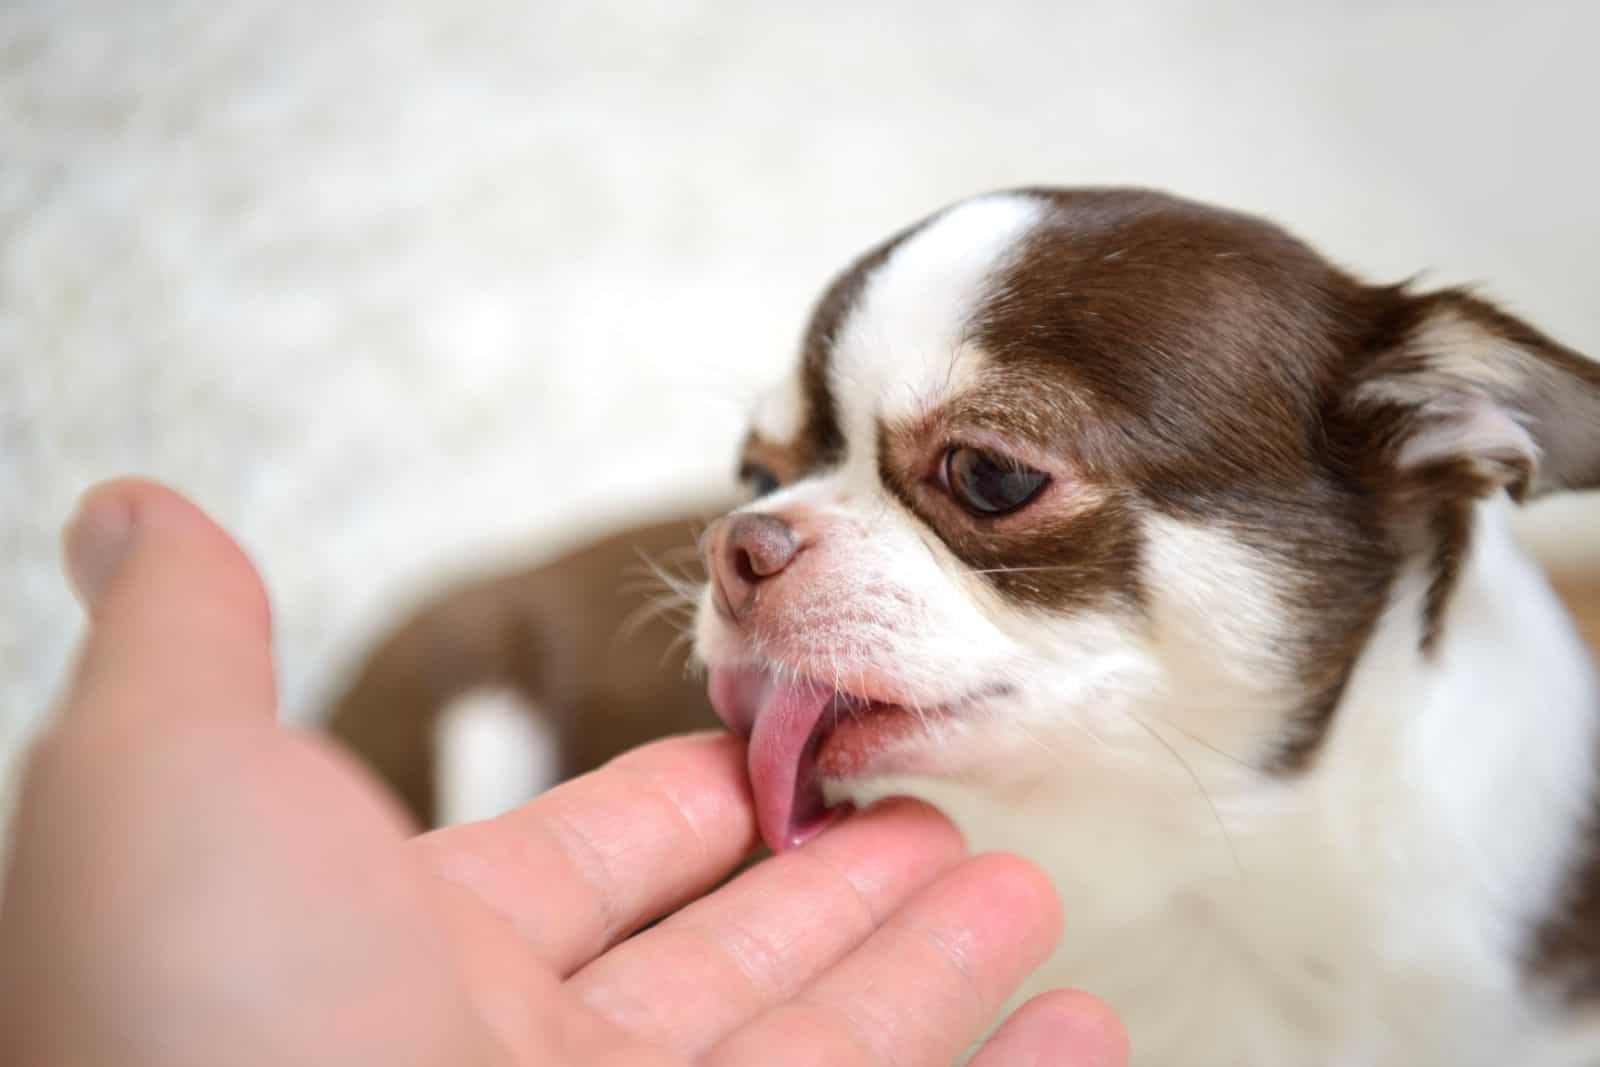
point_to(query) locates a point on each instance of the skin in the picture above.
(193, 883)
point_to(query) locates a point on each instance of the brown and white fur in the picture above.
(1260, 676)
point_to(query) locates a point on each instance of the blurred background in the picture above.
(401, 290)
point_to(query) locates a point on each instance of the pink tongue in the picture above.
(780, 718)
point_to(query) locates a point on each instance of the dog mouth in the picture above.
(800, 732)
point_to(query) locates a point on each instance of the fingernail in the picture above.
(96, 541)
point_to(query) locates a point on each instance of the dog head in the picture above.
(1061, 471)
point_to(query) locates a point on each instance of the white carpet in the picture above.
(396, 288)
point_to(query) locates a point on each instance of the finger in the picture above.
(723, 960)
(594, 859)
(1062, 1028)
(922, 987)
(178, 621)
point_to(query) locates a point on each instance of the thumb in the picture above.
(178, 620)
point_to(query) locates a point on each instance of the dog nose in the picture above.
(751, 548)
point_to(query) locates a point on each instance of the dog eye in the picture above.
(988, 485)
(758, 479)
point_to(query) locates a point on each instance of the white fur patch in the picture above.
(495, 751)
(1216, 618)
(780, 412)
(903, 345)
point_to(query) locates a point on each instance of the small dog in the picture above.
(1149, 545)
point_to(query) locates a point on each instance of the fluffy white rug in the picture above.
(396, 288)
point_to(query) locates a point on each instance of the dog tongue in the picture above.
(780, 717)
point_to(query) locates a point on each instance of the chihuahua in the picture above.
(1145, 543)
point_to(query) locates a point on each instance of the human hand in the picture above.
(192, 883)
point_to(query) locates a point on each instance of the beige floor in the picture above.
(396, 288)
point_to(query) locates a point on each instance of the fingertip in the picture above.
(1088, 1024)
(96, 539)
(1061, 1027)
(116, 520)
(1026, 891)
(180, 623)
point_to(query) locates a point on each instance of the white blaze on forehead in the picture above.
(780, 412)
(901, 346)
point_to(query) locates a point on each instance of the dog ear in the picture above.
(1467, 400)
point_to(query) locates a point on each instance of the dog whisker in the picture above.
(1198, 784)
